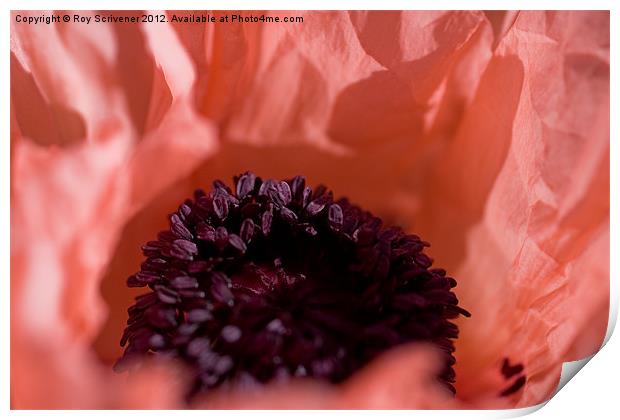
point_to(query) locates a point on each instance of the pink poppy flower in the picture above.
(485, 133)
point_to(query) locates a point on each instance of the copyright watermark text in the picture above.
(83, 18)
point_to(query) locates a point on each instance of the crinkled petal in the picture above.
(488, 134)
(520, 201)
(71, 199)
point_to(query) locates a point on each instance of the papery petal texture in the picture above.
(75, 184)
(486, 133)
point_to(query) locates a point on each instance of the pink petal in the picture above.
(69, 204)
(519, 200)
(487, 134)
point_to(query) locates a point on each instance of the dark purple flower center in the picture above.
(276, 280)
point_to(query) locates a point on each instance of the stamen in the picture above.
(516, 386)
(277, 280)
(508, 371)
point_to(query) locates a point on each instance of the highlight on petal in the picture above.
(69, 203)
(487, 133)
(532, 217)
(404, 379)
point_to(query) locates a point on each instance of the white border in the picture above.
(311, 5)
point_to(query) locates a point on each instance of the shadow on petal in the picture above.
(44, 123)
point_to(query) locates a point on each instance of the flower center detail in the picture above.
(276, 280)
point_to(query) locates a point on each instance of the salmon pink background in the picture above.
(485, 133)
